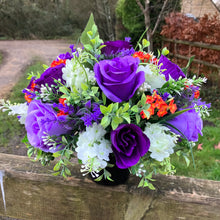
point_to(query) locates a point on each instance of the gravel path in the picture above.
(18, 54)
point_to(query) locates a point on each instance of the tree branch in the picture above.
(141, 6)
(159, 17)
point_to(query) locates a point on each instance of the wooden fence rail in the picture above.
(32, 193)
(193, 44)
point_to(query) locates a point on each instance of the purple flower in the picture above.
(171, 69)
(189, 123)
(115, 47)
(51, 74)
(90, 114)
(129, 143)
(41, 121)
(118, 78)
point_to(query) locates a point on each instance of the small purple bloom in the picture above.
(51, 74)
(114, 47)
(64, 56)
(171, 69)
(189, 123)
(90, 114)
(129, 143)
(118, 78)
(41, 121)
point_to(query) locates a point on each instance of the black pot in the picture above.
(119, 176)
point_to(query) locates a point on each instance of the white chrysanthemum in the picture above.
(153, 78)
(75, 74)
(16, 109)
(93, 149)
(161, 142)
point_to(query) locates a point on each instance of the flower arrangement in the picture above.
(108, 104)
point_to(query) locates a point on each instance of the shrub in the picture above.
(205, 30)
(130, 17)
(41, 19)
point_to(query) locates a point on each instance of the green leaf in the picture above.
(94, 28)
(134, 108)
(126, 107)
(99, 178)
(187, 160)
(63, 90)
(88, 47)
(115, 122)
(150, 185)
(103, 109)
(103, 98)
(84, 86)
(145, 43)
(115, 107)
(188, 64)
(138, 119)
(126, 116)
(57, 167)
(64, 140)
(67, 171)
(143, 99)
(105, 121)
(84, 39)
(147, 113)
(56, 174)
(165, 51)
(110, 107)
(45, 66)
(89, 33)
(141, 183)
(56, 154)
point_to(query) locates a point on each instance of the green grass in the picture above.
(9, 126)
(207, 160)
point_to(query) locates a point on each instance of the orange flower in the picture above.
(56, 63)
(156, 102)
(61, 112)
(172, 106)
(144, 57)
(196, 94)
(27, 98)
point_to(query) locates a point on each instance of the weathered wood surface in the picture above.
(31, 192)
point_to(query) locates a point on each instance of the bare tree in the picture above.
(146, 12)
(104, 10)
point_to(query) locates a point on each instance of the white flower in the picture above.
(153, 78)
(93, 149)
(75, 74)
(15, 109)
(162, 141)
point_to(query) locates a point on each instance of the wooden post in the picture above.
(31, 192)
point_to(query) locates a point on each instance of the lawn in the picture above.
(207, 158)
(10, 128)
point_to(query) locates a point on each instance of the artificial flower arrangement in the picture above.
(110, 105)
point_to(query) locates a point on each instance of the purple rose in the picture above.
(50, 75)
(129, 143)
(114, 47)
(41, 121)
(118, 78)
(171, 69)
(189, 123)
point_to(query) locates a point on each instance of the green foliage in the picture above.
(131, 17)
(41, 19)
(207, 160)
(9, 126)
